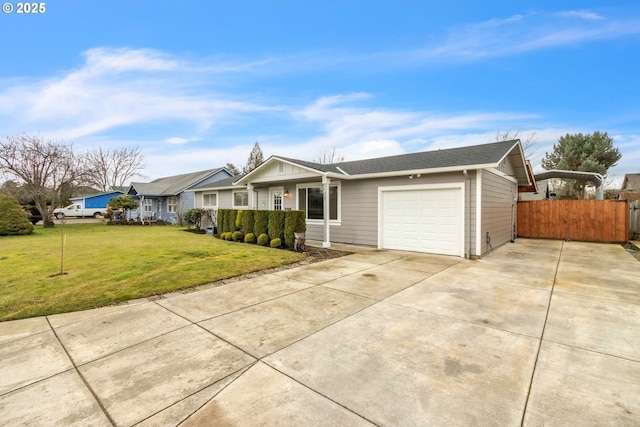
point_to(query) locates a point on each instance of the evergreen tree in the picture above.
(582, 152)
(255, 158)
(13, 220)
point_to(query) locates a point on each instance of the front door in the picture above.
(276, 198)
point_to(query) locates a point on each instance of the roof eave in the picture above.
(431, 171)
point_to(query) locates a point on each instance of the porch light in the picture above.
(286, 193)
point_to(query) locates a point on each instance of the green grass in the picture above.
(107, 265)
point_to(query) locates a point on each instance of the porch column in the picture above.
(250, 196)
(326, 200)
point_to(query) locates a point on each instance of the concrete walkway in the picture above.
(537, 333)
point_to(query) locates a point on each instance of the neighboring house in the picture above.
(95, 201)
(459, 201)
(166, 198)
(630, 187)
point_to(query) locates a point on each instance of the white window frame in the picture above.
(148, 205)
(233, 199)
(172, 204)
(210, 193)
(336, 184)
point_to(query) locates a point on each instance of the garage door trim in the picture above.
(457, 186)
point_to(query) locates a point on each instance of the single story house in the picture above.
(459, 201)
(166, 198)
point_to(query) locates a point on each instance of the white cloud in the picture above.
(523, 33)
(583, 14)
(115, 88)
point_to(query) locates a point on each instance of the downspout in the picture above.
(467, 215)
(326, 200)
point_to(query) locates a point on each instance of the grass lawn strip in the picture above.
(107, 265)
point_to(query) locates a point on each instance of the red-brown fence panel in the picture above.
(585, 220)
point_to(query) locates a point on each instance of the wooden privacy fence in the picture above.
(585, 220)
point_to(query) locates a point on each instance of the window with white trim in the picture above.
(241, 199)
(172, 204)
(148, 205)
(209, 200)
(311, 200)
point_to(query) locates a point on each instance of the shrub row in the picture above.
(273, 228)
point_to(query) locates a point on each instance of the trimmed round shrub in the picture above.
(236, 236)
(13, 220)
(250, 238)
(228, 235)
(263, 240)
(276, 243)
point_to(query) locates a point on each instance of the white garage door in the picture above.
(422, 220)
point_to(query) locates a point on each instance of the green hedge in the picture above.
(276, 225)
(280, 225)
(261, 222)
(294, 222)
(248, 222)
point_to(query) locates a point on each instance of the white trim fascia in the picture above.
(509, 152)
(501, 174)
(273, 159)
(420, 171)
(456, 185)
(228, 187)
(478, 212)
(340, 169)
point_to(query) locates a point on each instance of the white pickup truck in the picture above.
(76, 210)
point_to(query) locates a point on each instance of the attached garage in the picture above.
(456, 201)
(423, 218)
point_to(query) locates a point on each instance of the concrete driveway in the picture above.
(537, 333)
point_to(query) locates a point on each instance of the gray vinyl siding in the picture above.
(498, 195)
(359, 207)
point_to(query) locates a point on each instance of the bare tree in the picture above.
(44, 166)
(528, 143)
(111, 168)
(327, 155)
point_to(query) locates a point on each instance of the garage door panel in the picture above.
(425, 220)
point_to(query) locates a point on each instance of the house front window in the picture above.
(148, 205)
(311, 200)
(172, 204)
(241, 199)
(209, 200)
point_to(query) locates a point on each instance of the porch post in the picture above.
(326, 200)
(250, 196)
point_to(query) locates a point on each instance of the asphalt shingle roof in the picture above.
(451, 157)
(171, 185)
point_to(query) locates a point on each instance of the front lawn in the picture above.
(106, 265)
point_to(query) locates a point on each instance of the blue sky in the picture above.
(195, 83)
